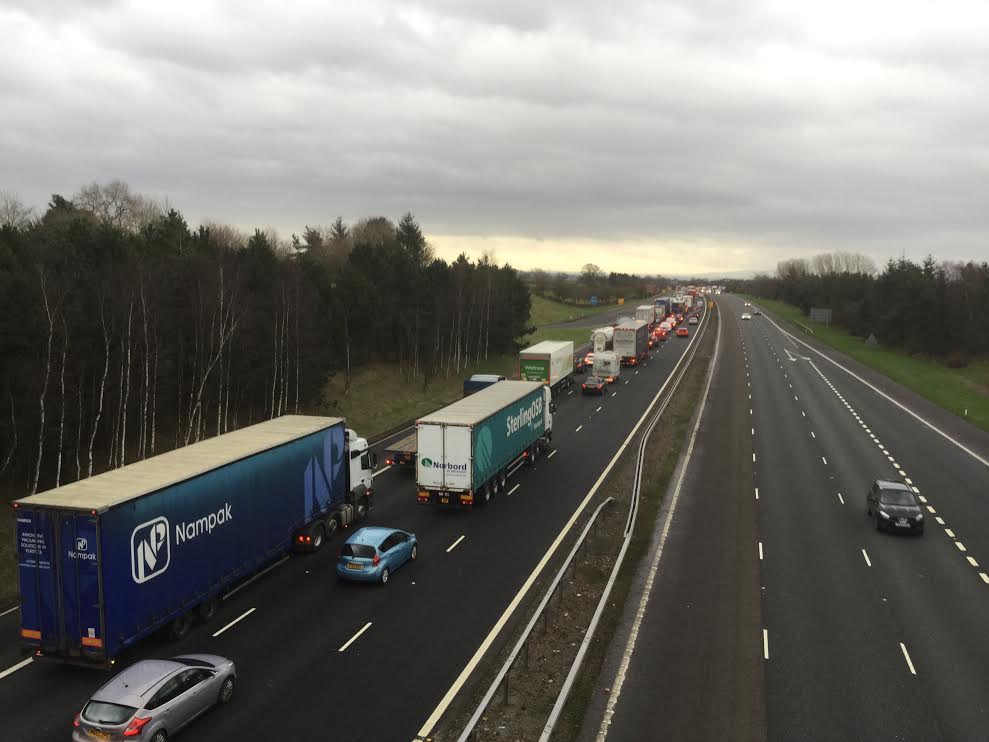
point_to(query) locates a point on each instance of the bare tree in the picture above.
(13, 213)
(61, 416)
(50, 315)
(106, 371)
(126, 384)
(13, 427)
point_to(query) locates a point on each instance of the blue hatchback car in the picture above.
(372, 554)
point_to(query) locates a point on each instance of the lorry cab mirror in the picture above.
(374, 460)
(552, 407)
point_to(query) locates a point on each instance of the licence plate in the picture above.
(99, 735)
(901, 523)
(444, 499)
(355, 567)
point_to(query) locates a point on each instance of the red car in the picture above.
(682, 332)
(661, 335)
(594, 385)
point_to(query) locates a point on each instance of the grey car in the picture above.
(154, 699)
(894, 506)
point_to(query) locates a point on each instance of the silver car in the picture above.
(153, 699)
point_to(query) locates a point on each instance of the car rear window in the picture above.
(100, 712)
(363, 551)
(897, 497)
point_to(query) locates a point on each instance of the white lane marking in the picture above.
(760, 551)
(922, 499)
(915, 490)
(939, 519)
(570, 392)
(753, 457)
(355, 637)
(908, 480)
(824, 460)
(626, 381)
(753, 431)
(750, 410)
(841, 499)
(636, 373)
(795, 398)
(906, 656)
(514, 488)
(803, 414)
(382, 470)
(9, 610)
(971, 560)
(750, 396)
(598, 409)
(456, 543)
(901, 472)
(866, 556)
(970, 452)
(613, 394)
(260, 574)
(812, 434)
(757, 493)
(578, 428)
(236, 621)
(985, 577)
(961, 546)
(931, 510)
(551, 454)
(951, 534)
(765, 644)
(14, 668)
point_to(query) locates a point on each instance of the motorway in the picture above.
(864, 635)
(361, 662)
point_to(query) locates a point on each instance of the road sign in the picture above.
(594, 301)
(621, 300)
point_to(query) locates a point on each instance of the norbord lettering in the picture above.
(188, 531)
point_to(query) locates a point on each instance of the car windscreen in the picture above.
(100, 712)
(363, 551)
(897, 497)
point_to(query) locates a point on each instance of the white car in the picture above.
(748, 304)
(746, 315)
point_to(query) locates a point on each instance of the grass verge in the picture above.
(956, 390)
(535, 679)
(546, 311)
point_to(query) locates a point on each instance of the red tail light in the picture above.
(136, 725)
(75, 721)
(376, 560)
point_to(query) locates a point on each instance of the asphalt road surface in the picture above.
(303, 674)
(865, 635)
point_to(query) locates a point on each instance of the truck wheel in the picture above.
(208, 609)
(317, 538)
(179, 628)
(361, 511)
(486, 495)
(332, 525)
(534, 457)
(503, 479)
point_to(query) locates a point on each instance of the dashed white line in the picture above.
(757, 493)
(971, 560)
(237, 620)
(14, 668)
(454, 545)
(906, 656)
(514, 488)
(9, 610)
(551, 454)
(598, 409)
(803, 414)
(765, 644)
(812, 434)
(760, 551)
(921, 497)
(951, 534)
(931, 510)
(753, 431)
(382, 470)
(753, 457)
(578, 428)
(961, 546)
(939, 519)
(866, 557)
(985, 577)
(355, 637)
(824, 460)
(841, 499)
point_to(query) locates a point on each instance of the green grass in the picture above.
(956, 390)
(547, 312)
(579, 335)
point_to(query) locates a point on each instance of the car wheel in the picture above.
(385, 574)
(414, 554)
(159, 736)
(226, 691)
(208, 609)
(179, 628)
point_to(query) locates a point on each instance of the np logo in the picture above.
(82, 544)
(150, 550)
(428, 463)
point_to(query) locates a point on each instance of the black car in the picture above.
(594, 385)
(895, 507)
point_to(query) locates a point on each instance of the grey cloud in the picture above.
(678, 120)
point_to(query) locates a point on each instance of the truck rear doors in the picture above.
(58, 558)
(444, 457)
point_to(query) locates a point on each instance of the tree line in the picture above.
(931, 308)
(592, 281)
(125, 333)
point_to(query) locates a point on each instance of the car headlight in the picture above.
(920, 517)
(884, 514)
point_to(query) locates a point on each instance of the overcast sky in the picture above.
(687, 136)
